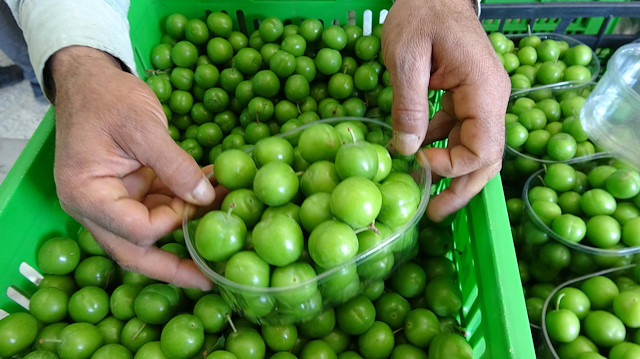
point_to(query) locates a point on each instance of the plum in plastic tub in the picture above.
(542, 127)
(549, 60)
(594, 313)
(292, 260)
(592, 206)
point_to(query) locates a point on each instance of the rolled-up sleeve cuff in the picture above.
(51, 25)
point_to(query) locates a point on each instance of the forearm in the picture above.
(52, 25)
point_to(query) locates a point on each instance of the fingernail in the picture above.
(190, 210)
(203, 191)
(406, 143)
(206, 287)
(422, 159)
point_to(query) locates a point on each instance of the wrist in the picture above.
(459, 5)
(72, 64)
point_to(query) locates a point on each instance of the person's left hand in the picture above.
(435, 44)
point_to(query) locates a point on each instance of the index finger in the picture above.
(151, 261)
(110, 204)
(480, 106)
(408, 62)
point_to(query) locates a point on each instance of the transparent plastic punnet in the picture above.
(593, 66)
(277, 305)
(611, 114)
(557, 94)
(585, 246)
(551, 348)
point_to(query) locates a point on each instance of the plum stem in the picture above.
(369, 227)
(232, 206)
(233, 326)
(49, 340)
(558, 300)
(361, 229)
(373, 227)
(353, 135)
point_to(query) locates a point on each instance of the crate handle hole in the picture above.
(242, 23)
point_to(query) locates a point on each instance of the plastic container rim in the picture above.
(545, 307)
(598, 155)
(624, 91)
(319, 278)
(632, 47)
(512, 151)
(593, 66)
(575, 245)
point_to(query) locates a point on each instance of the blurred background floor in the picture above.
(20, 114)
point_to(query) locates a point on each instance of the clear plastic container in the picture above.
(611, 114)
(277, 305)
(593, 66)
(537, 179)
(557, 94)
(519, 160)
(550, 350)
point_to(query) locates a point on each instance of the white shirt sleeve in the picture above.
(51, 25)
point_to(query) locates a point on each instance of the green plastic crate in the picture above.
(587, 26)
(580, 25)
(493, 312)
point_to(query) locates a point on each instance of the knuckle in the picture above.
(138, 235)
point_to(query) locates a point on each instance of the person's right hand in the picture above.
(117, 170)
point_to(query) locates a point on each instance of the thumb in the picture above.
(409, 76)
(177, 169)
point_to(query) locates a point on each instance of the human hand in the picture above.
(442, 45)
(117, 170)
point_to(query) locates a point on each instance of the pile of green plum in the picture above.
(563, 231)
(86, 306)
(596, 316)
(312, 217)
(543, 126)
(221, 88)
(544, 60)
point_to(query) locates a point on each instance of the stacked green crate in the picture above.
(580, 25)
